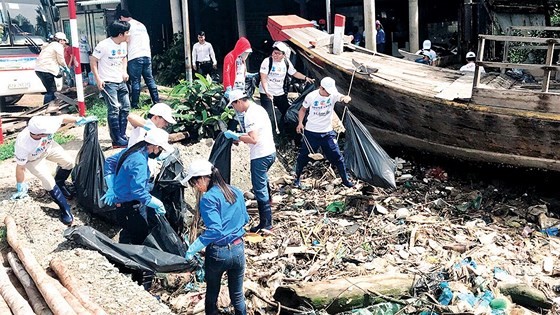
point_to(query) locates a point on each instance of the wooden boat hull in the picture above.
(397, 115)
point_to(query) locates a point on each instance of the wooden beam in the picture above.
(535, 28)
(520, 39)
(527, 66)
(546, 78)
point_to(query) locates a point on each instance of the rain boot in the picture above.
(123, 121)
(65, 212)
(115, 131)
(265, 218)
(60, 179)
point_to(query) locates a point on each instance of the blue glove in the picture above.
(84, 120)
(146, 127)
(157, 205)
(194, 248)
(226, 93)
(231, 135)
(21, 193)
(109, 197)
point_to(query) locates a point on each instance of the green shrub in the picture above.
(170, 65)
(96, 106)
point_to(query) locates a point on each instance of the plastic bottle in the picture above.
(446, 294)
(91, 79)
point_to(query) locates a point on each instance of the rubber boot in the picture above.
(115, 131)
(123, 121)
(65, 211)
(60, 179)
(265, 218)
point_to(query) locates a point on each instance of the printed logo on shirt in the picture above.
(322, 103)
(42, 145)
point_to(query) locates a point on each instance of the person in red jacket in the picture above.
(234, 66)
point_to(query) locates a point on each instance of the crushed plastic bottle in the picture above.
(446, 294)
(551, 231)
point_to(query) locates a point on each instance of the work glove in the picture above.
(146, 127)
(194, 248)
(226, 93)
(66, 70)
(157, 205)
(109, 197)
(21, 193)
(231, 135)
(84, 120)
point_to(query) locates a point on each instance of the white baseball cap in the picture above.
(329, 85)
(236, 95)
(163, 110)
(42, 125)
(159, 137)
(60, 36)
(471, 54)
(427, 44)
(282, 47)
(198, 168)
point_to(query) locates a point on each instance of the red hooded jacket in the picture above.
(228, 76)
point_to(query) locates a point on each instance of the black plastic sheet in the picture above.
(366, 158)
(220, 156)
(135, 257)
(163, 237)
(291, 117)
(88, 175)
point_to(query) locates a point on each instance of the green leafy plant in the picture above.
(197, 107)
(96, 106)
(169, 67)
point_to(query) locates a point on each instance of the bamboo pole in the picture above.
(34, 296)
(14, 300)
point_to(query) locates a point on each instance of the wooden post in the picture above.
(175, 15)
(240, 9)
(413, 25)
(187, 39)
(338, 40)
(506, 50)
(479, 58)
(369, 25)
(549, 57)
(328, 17)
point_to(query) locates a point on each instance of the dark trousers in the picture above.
(50, 85)
(139, 68)
(228, 259)
(132, 218)
(205, 68)
(325, 141)
(280, 102)
(86, 68)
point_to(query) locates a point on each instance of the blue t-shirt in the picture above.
(131, 182)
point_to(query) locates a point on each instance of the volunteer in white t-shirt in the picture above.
(34, 144)
(318, 129)
(139, 60)
(262, 152)
(85, 52)
(109, 66)
(471, 63)
(274, 81)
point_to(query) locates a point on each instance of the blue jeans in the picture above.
(231, 260)
(118, 107)
(259, 177)
(325, 141)
(138, 68)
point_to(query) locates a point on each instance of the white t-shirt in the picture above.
(470, 67)
(28, 149)
(139, 133)
(204, 52)
(321, 109)
(256, 119)
(240, 70)
(85, 48)
(110, 56)
(276, 76)
(139, 41)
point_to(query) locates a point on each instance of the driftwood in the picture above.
(4, 308)
(178, 136)
(54, 299)
(58, 266)
(15, 301)
(34, 296)
(525, 295)
(344, 294)
(70, 298)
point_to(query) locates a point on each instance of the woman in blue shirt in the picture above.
(224, 214)
(126, 175)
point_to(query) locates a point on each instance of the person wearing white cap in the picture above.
(427, 49)
(49, 63)
(262, 152)
(318, 131)
(34, 144)
(159, 116)
(471, 63)
(126, 176)
(223, 211)
(274, 80)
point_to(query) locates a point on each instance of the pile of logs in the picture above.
(45, 294)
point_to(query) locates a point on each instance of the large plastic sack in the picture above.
(88, 175)
(291, 117)
(365, 157)
(168, 189)
(136, 257)
(220, 156)
(163, 237)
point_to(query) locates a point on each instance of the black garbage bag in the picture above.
(163, 237)
(365, 157)
(291, 117)
(135, 257)
(88, 176)
(168, 189)
(220, 156)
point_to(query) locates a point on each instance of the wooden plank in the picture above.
(518, 99)
(535, 28)
(520, 39)
(531, 47)
(527, 66)
(546, 79)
